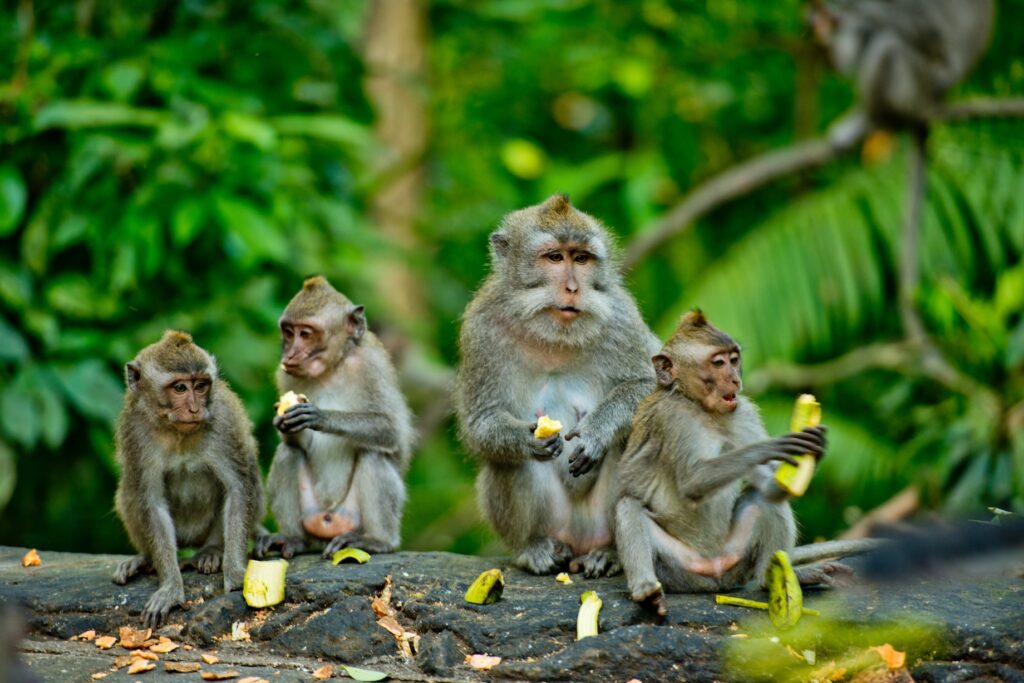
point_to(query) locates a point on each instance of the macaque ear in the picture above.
(357, 322)
(499, 242)
(132, 375)
(664, 370)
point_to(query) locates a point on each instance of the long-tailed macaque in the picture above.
(338, 475)
(190, 474)
(552, 331)
(685, 521)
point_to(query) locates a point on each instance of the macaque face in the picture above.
(720, 377)
(569, 269)
(185, 401)
(302, 346)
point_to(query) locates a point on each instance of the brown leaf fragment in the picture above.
(323, 673)
(382, 603)
(105, 642)
(219, 675)
(893, 658)
(140, 665)
(182, 667)
(391, 625)
(209, 659)
(31, 559)
(482, 662)
(85, 635)
(99, 674)
(164, 647)
(134, 638)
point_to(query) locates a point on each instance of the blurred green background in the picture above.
(186, 164)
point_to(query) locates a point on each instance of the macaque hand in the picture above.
(160, 604)
(545, 449)
(810, 441)
(586, 455)
(300, 416)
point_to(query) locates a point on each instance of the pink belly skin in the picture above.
(327, 525)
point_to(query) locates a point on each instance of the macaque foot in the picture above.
(354, 540)
(207, 560)
(597, 563)
(129, 568)
(831, 574)
(651, 595)
(160, 604)
(233, 579)
(288, 545)
(714, 567)
(544, 556)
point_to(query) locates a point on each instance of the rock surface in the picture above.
(953, 629)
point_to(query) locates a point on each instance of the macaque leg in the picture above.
(636, 550)
(523, 503)
(283, 487)
(380, 497)
(736, 543)
(164, 549)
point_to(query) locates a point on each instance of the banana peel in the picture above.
(794, 480)
(785, 597)
(487, 588)
(586, 620)
(546, 427)
(350, 555)
(263, 585)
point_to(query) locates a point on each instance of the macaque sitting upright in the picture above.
(338, 475)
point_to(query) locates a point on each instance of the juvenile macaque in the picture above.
(337, 477)
(698, 507)
(190, 475)
(552, 332)
(903, 55)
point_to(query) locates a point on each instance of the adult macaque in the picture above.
(190, 475)
(685, 521)
(552, 331)
(337, 476)
(904, 55)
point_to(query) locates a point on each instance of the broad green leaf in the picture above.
(12, 345)
(8, 474)
(122, 79)
(75, 297)
(53, 413)
(187, 223)
(15, 286)
(257, 238)
(92, 388)
(73, 114)
(333, 129)
(19, 416)
(363, 674)
(13, 196)
(249, 129)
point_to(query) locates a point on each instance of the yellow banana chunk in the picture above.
(487, 588)
(785, 598)
(263, 585)
(546, 427)
(794, 480)
(350, 555)
(288, 400)
(586, 620)
(564, 578)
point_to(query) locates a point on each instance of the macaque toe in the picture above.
(337, 543)
(651, 595)
(130, 568)
(597, 563)
(269, 542)
(159, 606)
(831, 574)
(545, 556)
(207, 560)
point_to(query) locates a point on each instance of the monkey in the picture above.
(904, 55)
(189, 470)
(13, 668)
(684, 519)
(551, 331)
(338, 473)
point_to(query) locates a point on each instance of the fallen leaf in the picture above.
(99, 674)
(482, 662)
(240, 631)
(144, 654)
(391, 624)
(133, 638)
(893, 658)
(85, 635)
(323, 673)
(363, 674)
(31, 559)
(182, 667)
(381, 604)
(210, 659)
(105, 642)
(164, 648)
(219, 675)
(140, 665)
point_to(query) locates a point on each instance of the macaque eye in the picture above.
(201, 387)
(718, 362)
(582, 258)
(304, 334)
(287, 331)
(735, 360)
(554, 256)
(180, 388)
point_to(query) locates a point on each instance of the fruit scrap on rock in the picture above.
(263, 585)
(219, 675)
(564, 578)
(350, 555)
(31, 559)
(586, 620)
(182, 667)
(85, 635)
(210, 659)
(546, 427)
(893, 658)
(133, 638)
(323, 673)
(140, 665)
(487, 588)
(164, 646)
(240, 631)
(483, 662)
(105, 642)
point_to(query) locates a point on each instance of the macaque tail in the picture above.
(813, 552)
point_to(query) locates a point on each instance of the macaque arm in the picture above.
(234, 520)
(162, 546)
(614, 413)
(499, 437)
(706, 476)
(369, 430)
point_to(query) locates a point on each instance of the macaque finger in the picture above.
(573, 434)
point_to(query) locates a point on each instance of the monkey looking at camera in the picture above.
(190, 475)
(685, 521)
(553, 332)
(337, 476)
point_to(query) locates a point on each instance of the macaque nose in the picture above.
(193, 405)
(571, 285)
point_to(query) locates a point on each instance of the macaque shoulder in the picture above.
(746, 425)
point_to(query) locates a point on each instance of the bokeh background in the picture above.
(186, 163)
